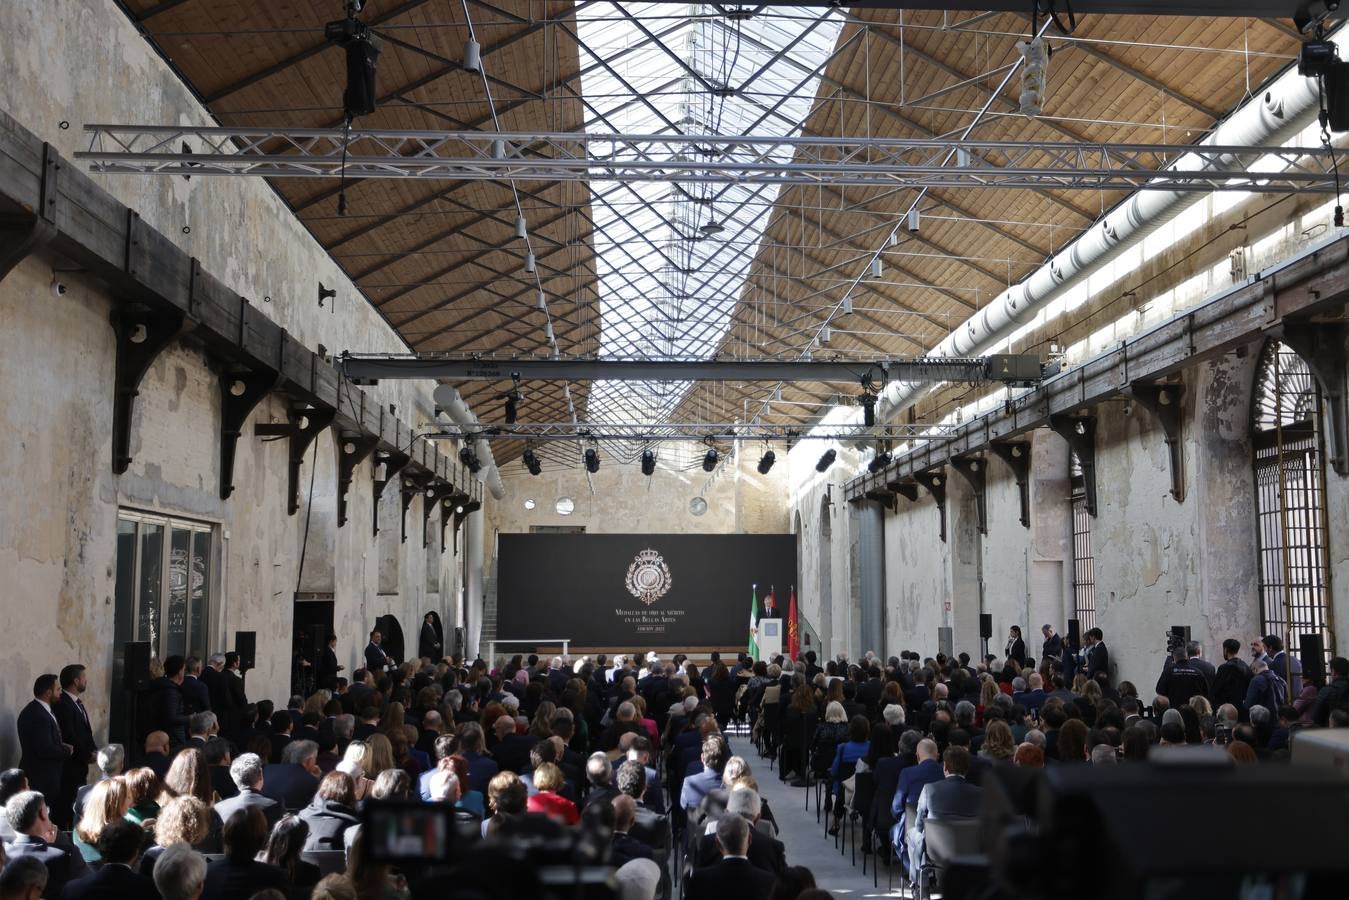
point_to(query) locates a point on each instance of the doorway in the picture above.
(312, 623)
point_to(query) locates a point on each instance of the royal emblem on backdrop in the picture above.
(649, 577)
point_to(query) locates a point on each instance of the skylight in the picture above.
(672, 258)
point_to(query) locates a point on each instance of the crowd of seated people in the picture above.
(223, 798)
(924, 732)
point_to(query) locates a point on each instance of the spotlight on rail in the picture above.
(766, 461)
(531, 461)
(362, 53)
(648, 462)
(592, 460)
(826, 460)
(470, 459)
(880, 461)
(710, 459)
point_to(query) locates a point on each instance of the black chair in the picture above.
(328, 861)
(864, 791)
(945, 840)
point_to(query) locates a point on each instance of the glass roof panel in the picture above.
(672, 258)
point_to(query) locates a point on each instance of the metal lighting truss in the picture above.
(697, 159)
(690, 431)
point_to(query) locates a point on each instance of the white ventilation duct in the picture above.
(1278, 114)
(448, 399)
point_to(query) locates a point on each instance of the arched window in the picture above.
(1290, 485)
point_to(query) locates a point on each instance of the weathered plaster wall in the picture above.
(77, 62)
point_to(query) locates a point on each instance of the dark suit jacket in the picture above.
(270, 808)
(1230, 682)
(651, 828)
(327, 669)
(110, 882)
(228, 880)
(766, 853)
(234, 687)
(375, 657)
(951, 798)
(1017, 651)
(625, 849)
(1098, 660)
(1053, 648)
(164, 702)
(513, 752)
(289, 785)
(222, 782)
(887, 772)
(428, 644)
(76, 730)
(43, 757)
(196, 695)
(736, 878)
(62, 860)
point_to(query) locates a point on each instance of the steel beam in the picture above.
(1005, 368)
(684, 431)
(1209, 9)
(701, 159)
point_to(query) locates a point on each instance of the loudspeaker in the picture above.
(136, 665)
(985, 625)
(1074, 635)
(246, 645)
(1182, 632)
(1312, 652)
(1337, 96)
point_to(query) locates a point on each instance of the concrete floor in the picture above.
(807, 844)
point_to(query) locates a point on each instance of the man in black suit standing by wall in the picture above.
(1053, 645)
(376, 660)
(165, 701)
(1098, 657)
(236, 697)
(45, 751)
(326, 677)
(196, 695)
(73, 720)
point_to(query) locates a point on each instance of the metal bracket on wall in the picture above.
(412, 486)
(240, 393)
(882, 495)
(975, 470)
(449, 511)
(387, 465)
(304, 426)
(142, 334)
(1321, 346)
(461, 513)
(1080, 433)
(1163, 400)
(908, 489)
(351, 452)
(1017, 456)
(935, 482)
(21, 240)
(436, 493)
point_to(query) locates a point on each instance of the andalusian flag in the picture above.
(753, 648)
(793, 632)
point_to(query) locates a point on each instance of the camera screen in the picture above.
(404, 832)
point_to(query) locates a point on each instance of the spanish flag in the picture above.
(793, 633)
(753, 648)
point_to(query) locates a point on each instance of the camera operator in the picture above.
(1180, 680)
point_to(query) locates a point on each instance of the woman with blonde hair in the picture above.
(353, 766)
(1201, 705)
(987, 694)
(188, 775)
(1079, 683)
(998, 741)
(316, 702)
(542, 725)
(107, 802)
(183, 820)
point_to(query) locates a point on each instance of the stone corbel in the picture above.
(434, 497)
(906, 488)
(304, 426)
(1080, 433)
(141, 335)
(1017, 456)
(451, 510)
(975, 471)
(1321, 346)
(935, 482)
(352, 451)
(1163, 400)
(240, 394)
(412, 486)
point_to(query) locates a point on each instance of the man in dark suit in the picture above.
(911, 783)
(376, 660)
(73, 720)
(196, 695)
(294, 780)
(649, 826)
(239, 874)
(164, 703)
(120, 846)
(511, 750)
(217, 753)
(1053, 645)
(237, 697)
(625, 847)
(24, 878)
(951, 798)
(734, 876)
(1098, 657)
(328, 668)
(429, 644)
(246, 773)
(765, 851)
(45, 751)
(37, 836)
(1033, 697)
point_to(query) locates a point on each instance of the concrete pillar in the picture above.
(869, 518)
(473, 583)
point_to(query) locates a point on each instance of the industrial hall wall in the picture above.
(186, 568)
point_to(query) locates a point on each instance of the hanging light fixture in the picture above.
(710, 459)
(766, 461)
(472, 56)
(521, 229)
(826, 460)
(592, 460)
(648, 462)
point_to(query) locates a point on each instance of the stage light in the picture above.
(879, 461)
(869, 410)
(1033, 76)
(529, 262)
(710, 459)
(913, 220)
(592, 460)
(362, 52)
(826, 334)
(826, 460)
(512, 412)
(1317, 58)
(472, 56)
(877, 267)
(766, 461)
(531, 461)
(470, 459)
(845, 308)
(648, 462)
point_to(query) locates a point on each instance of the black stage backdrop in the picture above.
(639, 590)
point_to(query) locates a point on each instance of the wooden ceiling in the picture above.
(440, 260)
